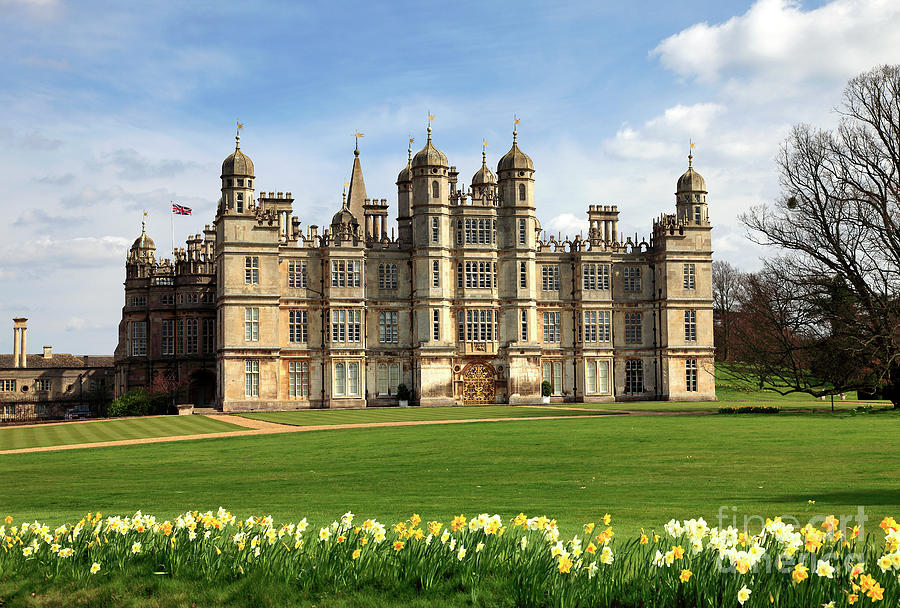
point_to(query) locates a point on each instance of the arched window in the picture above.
(521, 192)
(459, 274)
(435, 274)
(435, 190)
(339, 379)
(524, 326)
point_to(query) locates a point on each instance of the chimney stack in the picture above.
(19, 342)
(48, 353)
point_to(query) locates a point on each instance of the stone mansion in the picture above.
(468, 303)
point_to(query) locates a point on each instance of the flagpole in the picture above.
(172, 222)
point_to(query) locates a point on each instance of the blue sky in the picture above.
(112, 108)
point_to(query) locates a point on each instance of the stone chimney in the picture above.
(48, 353)
(19, 342)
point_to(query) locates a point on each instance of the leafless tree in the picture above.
(726, 284)
(838, 222)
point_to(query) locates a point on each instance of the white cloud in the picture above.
(79, 252)
(567, 224)
(779, 49)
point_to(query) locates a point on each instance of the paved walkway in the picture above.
(262, 427)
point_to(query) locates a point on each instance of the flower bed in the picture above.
(750, 409)
(687, 564)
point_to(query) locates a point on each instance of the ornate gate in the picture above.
(478, 384)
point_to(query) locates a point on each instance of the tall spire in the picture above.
(356, 195)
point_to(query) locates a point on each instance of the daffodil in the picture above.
(743, 595)
(95, 568)
(685, 576)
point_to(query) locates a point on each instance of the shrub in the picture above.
(750, 409)
(546, 389)
(134, 403)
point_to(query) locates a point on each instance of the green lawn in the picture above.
(317, 417)
(643, 470)
(13, 438)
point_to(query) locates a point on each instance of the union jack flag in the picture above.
(180, 209)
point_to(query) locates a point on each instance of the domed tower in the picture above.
(404, 200)
(430, 196)
(237, 181)
(141, 256)
(484, 182)
(344, 223)
(516, 174)
(690, 196)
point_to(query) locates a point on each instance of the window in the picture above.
(191, 335)
(435, 325)
(524, 324)
(521, 192)
(596, 324)
(388, 378)
(387, 327)
(7, 409)
(435, 233)
(42, 386)
(595, 276)
(345, 273)
(459, 275)
(42, 410)
(345, 325)
(689, 282)
(298, 326)
(690, 325)
(690, 375)
(209, 335)
(167, 345)
(251, 270)
(634, 376)
(251, 378)
(296, 274)
(553, 374)
(435, 274)
(478, 231)
(480, 275)
(522, 236)
(596, 377)
(632, 276)
(633, 321)
(459, 232)
(298, 379)
(346, 379)
(139, 338)
(551, 327)
(523, 274)
(387, 276)
(550, 277)
(7, 386)
(167, 299)
(240, 183)
(251, 324)
(697, 215)
(435, 190)
(478, 325)
(138, 301)
(240, 203)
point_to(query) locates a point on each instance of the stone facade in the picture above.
(469, 302)
(49, 385)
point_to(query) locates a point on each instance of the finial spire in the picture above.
(237, 134)
(691, 155)
(483, 153)
(356, 137)
(430, 118)
(515, 128)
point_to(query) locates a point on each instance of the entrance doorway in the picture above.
(478, 384)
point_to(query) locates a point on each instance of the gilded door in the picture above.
(478, 384)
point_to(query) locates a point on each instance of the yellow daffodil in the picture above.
(685, 576)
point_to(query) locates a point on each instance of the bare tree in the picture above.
(838, 222)
(726, 284)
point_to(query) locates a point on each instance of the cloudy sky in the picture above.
(112, 108)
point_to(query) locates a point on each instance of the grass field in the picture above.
(13, 438)
(317, 417)
(642, 470)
